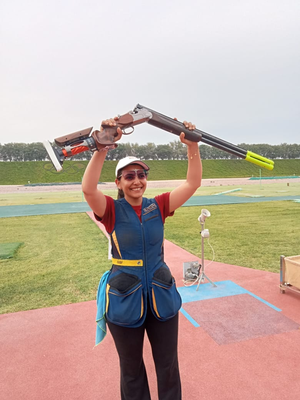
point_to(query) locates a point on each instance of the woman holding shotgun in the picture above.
(140, 291)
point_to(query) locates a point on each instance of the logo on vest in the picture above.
(150, 208)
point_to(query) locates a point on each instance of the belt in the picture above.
(127, 263)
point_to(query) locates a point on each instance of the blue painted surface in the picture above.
(187, 316)
(207, 291)
(66, 208)
(43, 209)
(215, 200)
(273, 177)
(264, 301)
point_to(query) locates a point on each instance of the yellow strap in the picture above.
(127, 263)
(154, 303)
(107, 297)
(114, 237)
(142, 307)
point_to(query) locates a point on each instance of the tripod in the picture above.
(204, 233)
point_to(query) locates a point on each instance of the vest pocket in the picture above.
(124, 301)
(165, 299)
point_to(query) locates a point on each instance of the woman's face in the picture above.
(133, 184)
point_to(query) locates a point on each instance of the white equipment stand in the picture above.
(204, 234)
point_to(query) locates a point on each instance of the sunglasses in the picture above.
(133, 173)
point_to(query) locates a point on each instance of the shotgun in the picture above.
(89, 140)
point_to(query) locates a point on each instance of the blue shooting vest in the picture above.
(139, 275)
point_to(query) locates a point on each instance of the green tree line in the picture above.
(150, 151)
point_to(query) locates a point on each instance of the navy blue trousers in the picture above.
(163, 337)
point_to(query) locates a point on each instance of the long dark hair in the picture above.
(120, 191)
(120, 194)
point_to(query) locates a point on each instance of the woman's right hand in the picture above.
(108, 134)
(111, 122)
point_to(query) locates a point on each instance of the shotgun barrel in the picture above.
(173, 126)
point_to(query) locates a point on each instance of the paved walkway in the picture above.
(238, 341)
(151, 184)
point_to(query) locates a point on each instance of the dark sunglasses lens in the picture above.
(130, 175)
(142, 175)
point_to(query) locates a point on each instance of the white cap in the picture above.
(130, 160)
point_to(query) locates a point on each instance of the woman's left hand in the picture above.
(189, 126)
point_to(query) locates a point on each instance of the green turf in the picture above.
(22, 173)
(61, 261)
(248, 235)
(8, 250)
(64, 256)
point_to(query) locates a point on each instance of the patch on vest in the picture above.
(150, 208)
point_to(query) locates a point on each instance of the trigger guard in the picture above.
(125, 132)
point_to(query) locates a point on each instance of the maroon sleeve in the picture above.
(163, 201)
(108, 219)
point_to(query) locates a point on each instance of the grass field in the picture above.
(260, 188)
(20, 173)
(60, 262)
(249, 235)
(63, 256)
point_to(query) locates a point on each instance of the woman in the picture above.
(140, 292)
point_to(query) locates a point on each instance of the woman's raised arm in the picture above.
(194, 173)
(94, 197)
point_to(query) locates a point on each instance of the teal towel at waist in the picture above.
(101, 303)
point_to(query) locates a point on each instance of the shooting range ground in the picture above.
(235, 323)
(34, 194)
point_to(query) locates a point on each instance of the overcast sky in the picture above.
(231, 67)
